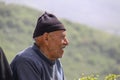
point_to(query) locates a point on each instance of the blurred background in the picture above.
(93, 29)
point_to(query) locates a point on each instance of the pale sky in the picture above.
(96, 13)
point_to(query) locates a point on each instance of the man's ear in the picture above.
(45, 38)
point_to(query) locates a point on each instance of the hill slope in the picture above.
(90, 51)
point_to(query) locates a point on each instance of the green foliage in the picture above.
(112, 77)
(93, 77)
(89, 51)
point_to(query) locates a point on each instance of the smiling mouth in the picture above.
(63, 47)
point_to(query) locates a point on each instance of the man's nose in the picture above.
(66, 41)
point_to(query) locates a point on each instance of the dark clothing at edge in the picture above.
(5, 70)
(31, 64)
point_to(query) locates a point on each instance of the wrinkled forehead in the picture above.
(58, 33)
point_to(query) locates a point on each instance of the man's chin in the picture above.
(61, 54)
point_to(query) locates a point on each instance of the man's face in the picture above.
(57, 41)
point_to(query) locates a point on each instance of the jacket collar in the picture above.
(40, 54)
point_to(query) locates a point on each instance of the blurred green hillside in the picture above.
(90, 51)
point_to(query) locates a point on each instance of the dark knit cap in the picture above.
(47, 23)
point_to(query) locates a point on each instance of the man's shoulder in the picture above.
(28, 56)
(26, 52)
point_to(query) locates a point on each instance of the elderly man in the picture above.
(41, 60)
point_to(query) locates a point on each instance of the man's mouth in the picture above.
(63, 47)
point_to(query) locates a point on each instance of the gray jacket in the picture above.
(31, 64)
